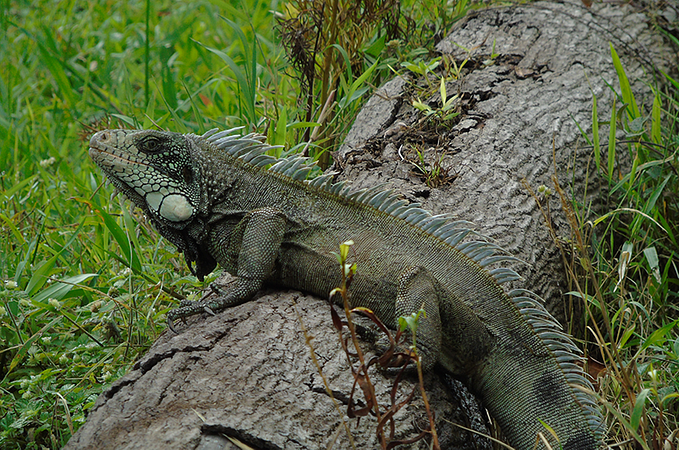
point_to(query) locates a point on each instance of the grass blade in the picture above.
(638, 408)
(62, 287)
(625, 89)
(245, 98)
(656, 124)
(595, 135)
(131, 258)
(147, 52)
(611, 144)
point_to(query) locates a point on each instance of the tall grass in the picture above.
(85, 282)
(626, 268)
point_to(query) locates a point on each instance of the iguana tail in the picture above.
(532, 383)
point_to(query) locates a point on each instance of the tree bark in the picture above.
(247, 374)
(526, 84)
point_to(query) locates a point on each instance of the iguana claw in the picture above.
(170, 325)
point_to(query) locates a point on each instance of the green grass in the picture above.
(86, 282)
(626, 266)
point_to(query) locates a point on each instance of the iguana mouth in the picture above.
(102, 153)
(109, 158)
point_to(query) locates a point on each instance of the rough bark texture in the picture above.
(247, 373)
(519, 111)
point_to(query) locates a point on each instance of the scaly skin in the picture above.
(213, 197)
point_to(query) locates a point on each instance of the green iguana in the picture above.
(221, 199)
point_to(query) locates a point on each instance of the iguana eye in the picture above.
(151, 144)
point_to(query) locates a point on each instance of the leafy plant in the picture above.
(435, 174)
(327, 42)
(445, 112)
(423, 69)
(334, 44)
(629, 281)
(391, 358)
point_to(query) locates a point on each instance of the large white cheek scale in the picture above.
(173, 207)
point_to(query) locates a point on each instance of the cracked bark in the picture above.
(519, 108)
(247, 374)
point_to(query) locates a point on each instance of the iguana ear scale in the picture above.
(188, 175)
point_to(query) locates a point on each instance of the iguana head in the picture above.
(152, 168)
(157, 171)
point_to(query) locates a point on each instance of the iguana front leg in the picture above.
(256, 240)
